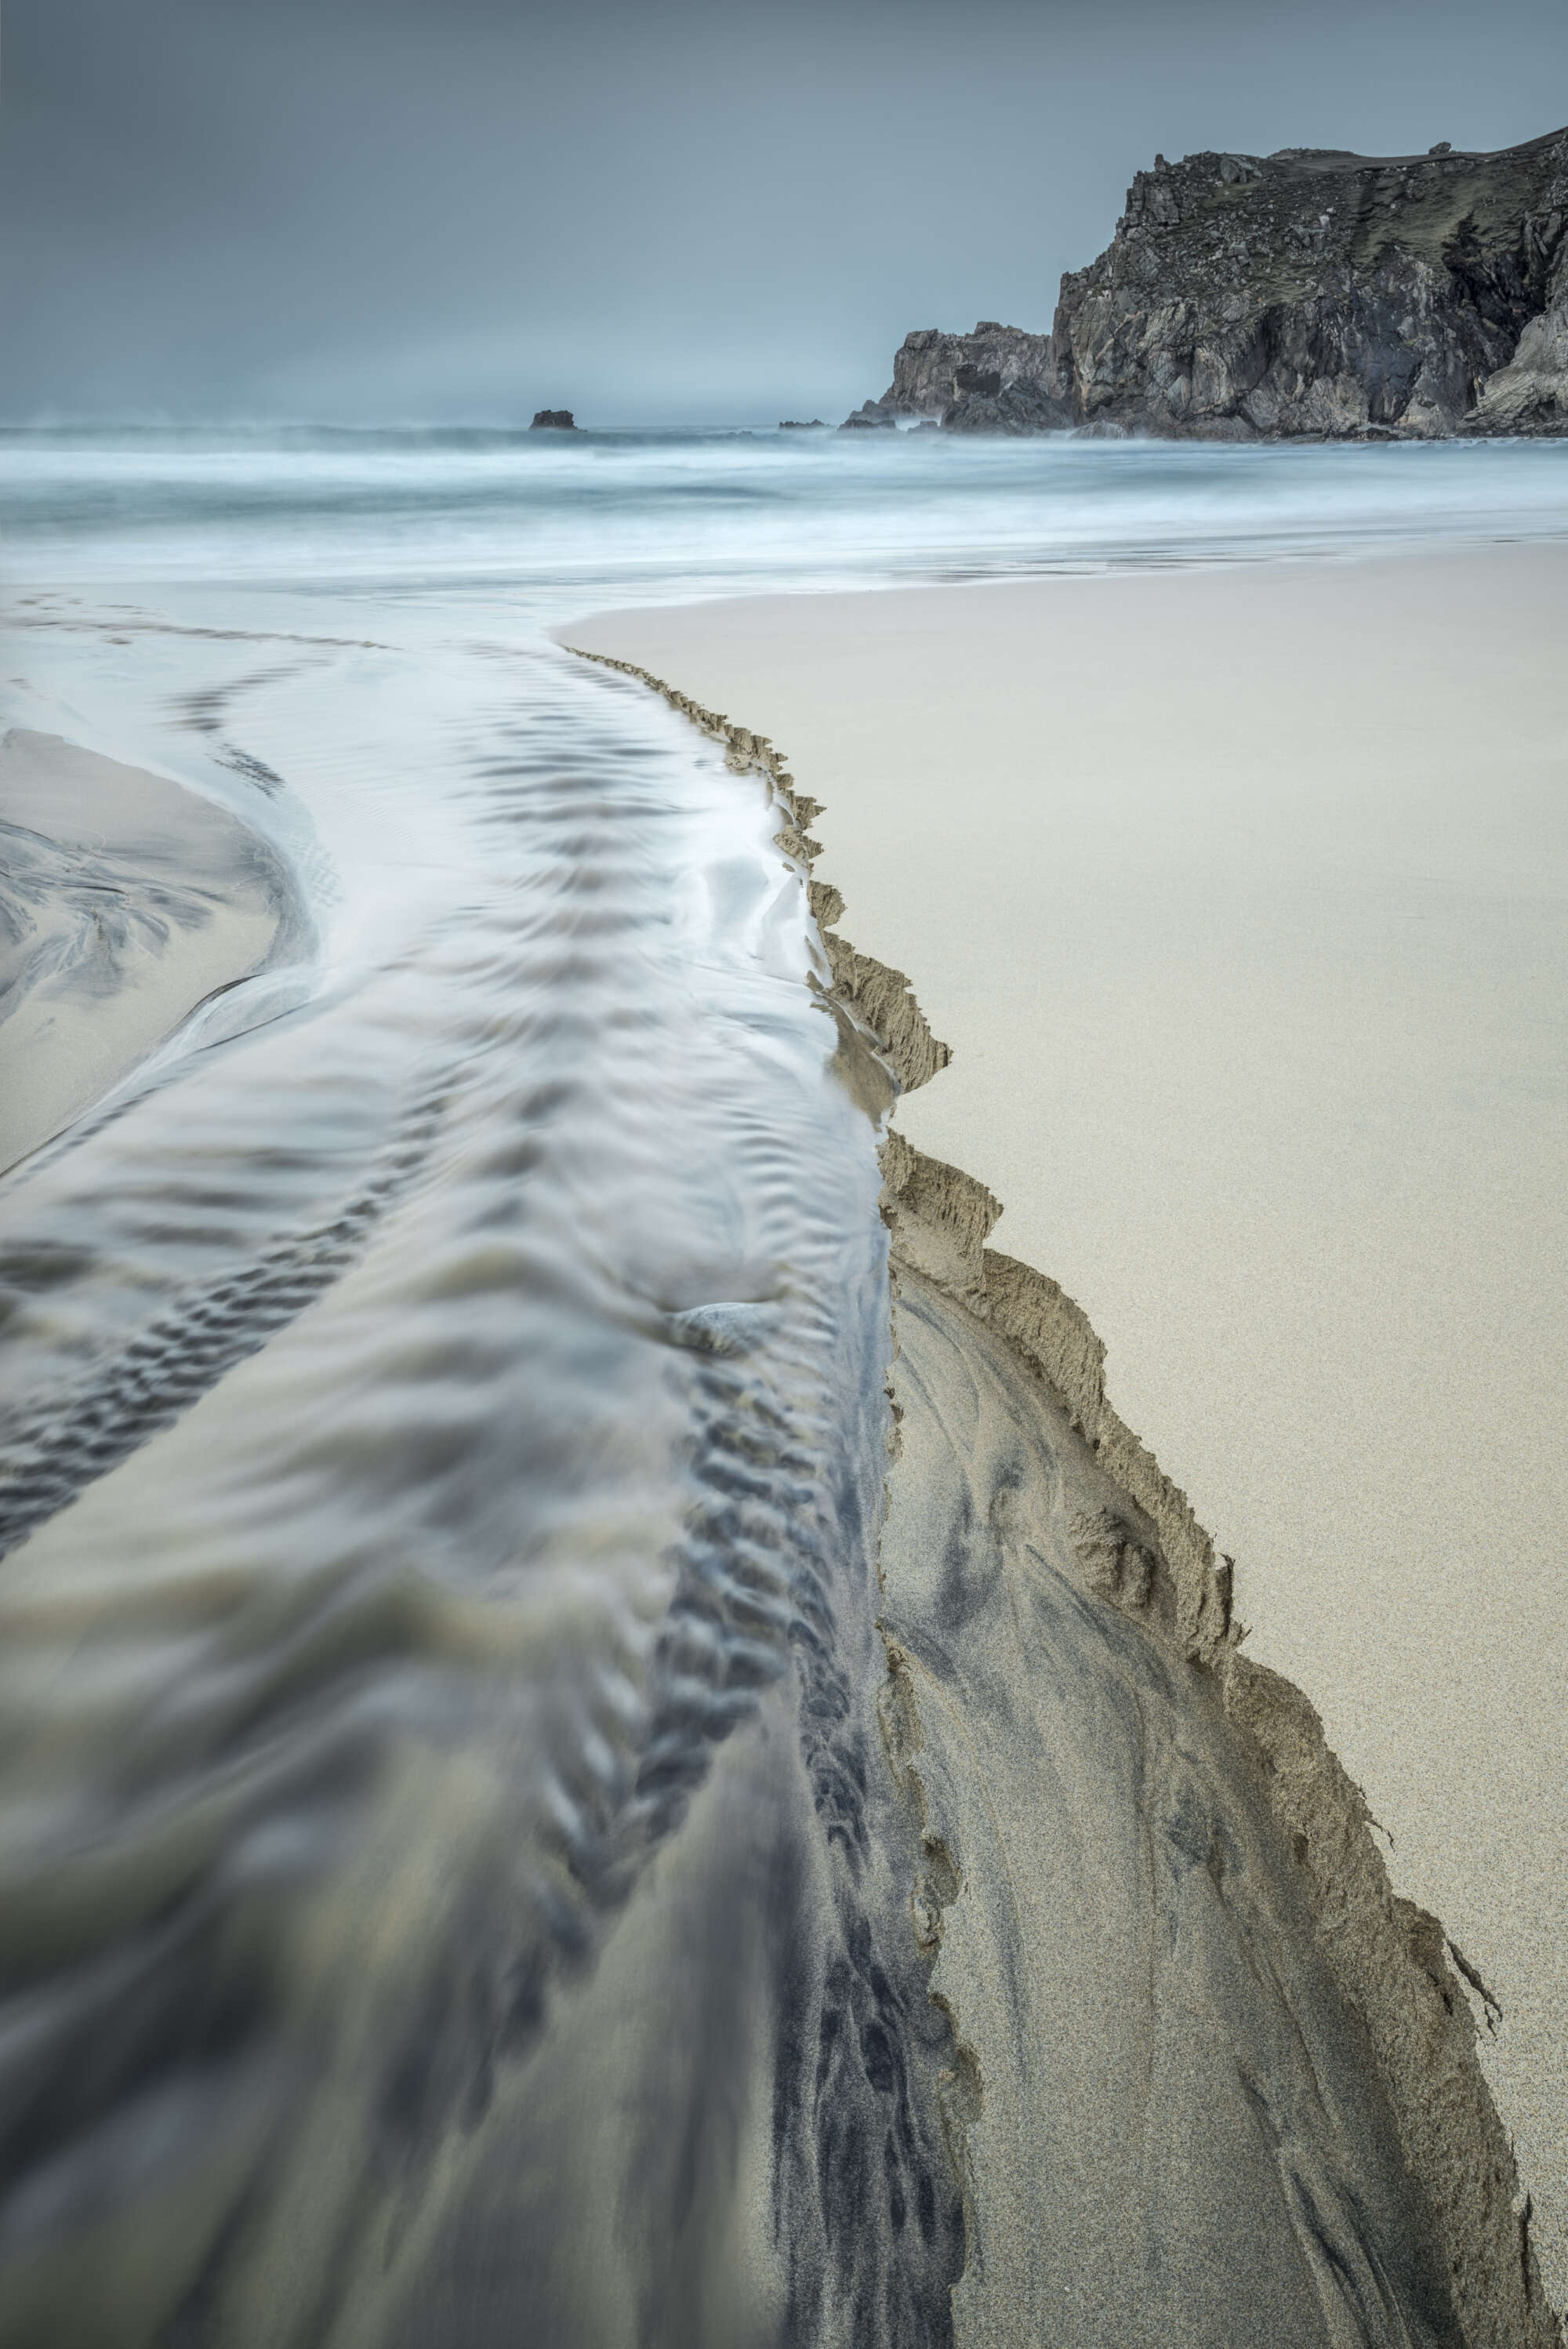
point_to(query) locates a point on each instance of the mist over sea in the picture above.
(442, 1406)
(554, 519)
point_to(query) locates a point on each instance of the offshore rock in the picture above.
(554, 419)
(1306, 293)
(934, 373)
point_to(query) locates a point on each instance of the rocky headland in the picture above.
(1306, 293)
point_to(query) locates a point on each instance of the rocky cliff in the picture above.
(1307, 292)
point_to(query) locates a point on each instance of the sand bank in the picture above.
(1240, 898)
(125, 903)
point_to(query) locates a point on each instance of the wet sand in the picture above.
(504, 1817)
(125, 903)
(1180, 2131)
(1240, 899)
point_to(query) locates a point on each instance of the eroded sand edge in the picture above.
(1391, 1960)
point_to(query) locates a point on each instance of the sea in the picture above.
(445, 1844)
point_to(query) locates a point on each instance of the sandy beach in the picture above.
(609, 1712)
(1239, 897)
(127, 901)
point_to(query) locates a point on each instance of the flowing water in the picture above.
(452, 1888)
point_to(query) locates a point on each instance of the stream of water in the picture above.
(442, 1407)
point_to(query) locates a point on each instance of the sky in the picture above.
(444, 211)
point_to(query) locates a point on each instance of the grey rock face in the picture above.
(554, 419)
(871, 416)
(1309, 293)
(927, 369)
(1531, 393)
(1321, 293)
(989, 406)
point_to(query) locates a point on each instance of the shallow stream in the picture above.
(442, 1416)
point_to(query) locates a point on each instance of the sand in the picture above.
(1239, 897)
(1176, 2131)
(125, 902)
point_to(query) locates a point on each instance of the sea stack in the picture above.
(554, 419)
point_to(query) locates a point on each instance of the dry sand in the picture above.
(125, 902)
(1240, 897)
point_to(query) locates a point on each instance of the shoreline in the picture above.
(1392, 1962)
(1243, 897)
(129, 903)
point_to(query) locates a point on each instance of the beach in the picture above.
(1238, 896)
(783, 1238)
(128, 901)
(610, 1714)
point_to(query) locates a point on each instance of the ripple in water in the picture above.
(446, 1881)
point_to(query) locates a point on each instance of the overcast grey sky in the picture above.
(467, 209)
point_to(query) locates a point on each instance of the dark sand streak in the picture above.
(126, 903)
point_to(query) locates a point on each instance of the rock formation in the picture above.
(1309, 293)
(997, 379)
(554, 419)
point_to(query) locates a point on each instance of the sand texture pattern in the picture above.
(1241, 897)
(1269, 1987)
(125, 903)
(450, 1888)
(1179, 2132)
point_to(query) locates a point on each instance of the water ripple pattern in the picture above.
(441, 1427)
(451, 1888)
